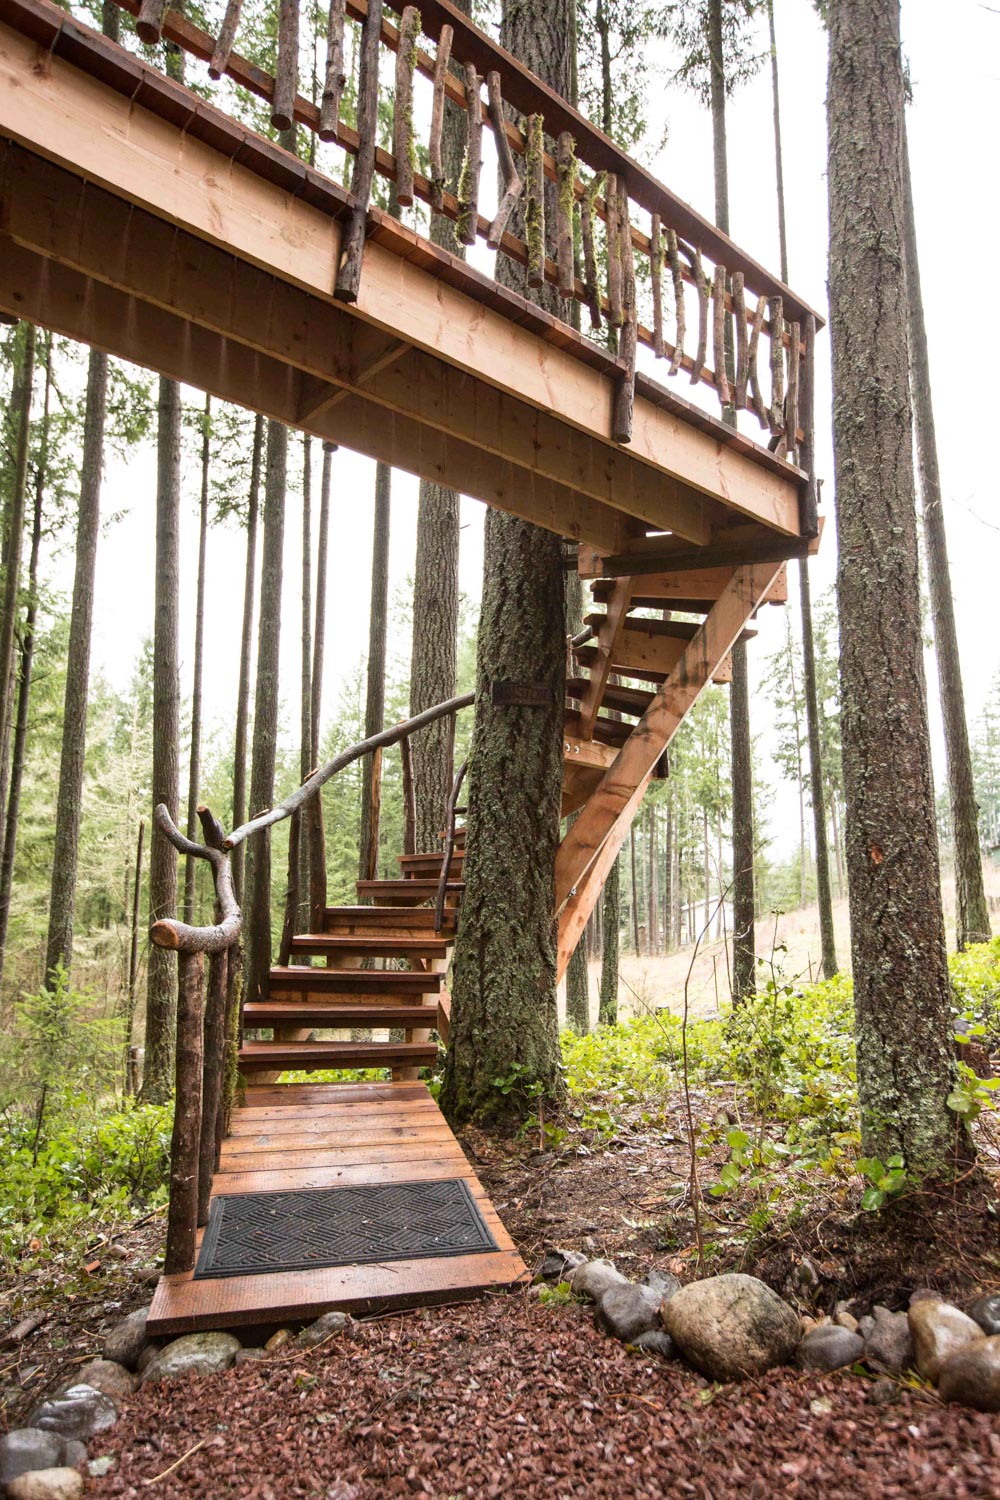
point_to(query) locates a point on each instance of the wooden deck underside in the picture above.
(289, 1136)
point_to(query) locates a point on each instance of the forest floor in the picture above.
(522, 1396)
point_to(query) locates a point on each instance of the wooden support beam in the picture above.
(637, 758)
(609, 631)
(675, 590)
(713, 555)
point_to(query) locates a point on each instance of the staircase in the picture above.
(315, 1011)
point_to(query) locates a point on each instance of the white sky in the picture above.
(956, 77)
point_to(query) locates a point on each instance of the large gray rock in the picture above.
(829, 1348)
(627, 1311)
(972, 1376)
(77, 1412)
(47, 1484)
(939, 1330)
(326, 1327)
(127, 1339)
(731, 1326)
(595, 1277)
(986, 1312)
(28, 1448)
(194, 1354)
(107, 1376)
(889, 1340)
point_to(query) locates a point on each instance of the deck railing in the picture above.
(573, 209)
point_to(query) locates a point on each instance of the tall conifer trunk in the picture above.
(194, 760)
(246, 655)
(504, 1019)
(375, 695)
(317, 836)
(902, 993)
(19, 442)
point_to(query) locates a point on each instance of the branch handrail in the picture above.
(449, 847)
(181, 936)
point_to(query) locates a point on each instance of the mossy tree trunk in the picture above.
(504, 1018)
(901, 987)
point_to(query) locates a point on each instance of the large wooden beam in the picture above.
(635, 761)
(178, 159)
(608, 635)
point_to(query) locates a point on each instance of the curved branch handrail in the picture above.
(449, 847)
(180, 936)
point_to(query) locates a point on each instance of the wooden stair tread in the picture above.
(587, 656)
(419, 918)
(407, 891)
(424, 945)
(326, 1013)
(616, 696)
(406, 981)
(298, 1055)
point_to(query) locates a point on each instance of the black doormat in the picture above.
(252, 1234)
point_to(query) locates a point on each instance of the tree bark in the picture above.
(161, 972)
(265, 719)
(317, 835)
(246, 653)
(375, 696)
(972, 908)
(902, 993)
(504, 1017)
(19, 426)
(306, 761)
(194, 762)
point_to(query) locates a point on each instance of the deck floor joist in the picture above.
(287, 1136)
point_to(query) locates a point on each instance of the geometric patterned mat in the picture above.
(252, 1234)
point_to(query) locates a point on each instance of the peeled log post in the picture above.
(565, 199)
(719, 336)
(591, 289)
(149, 23)
(756, 393)
(468, 187)
(224, 42)
(292, 891)
(776, 415)
(182, 1212)
(742, 360)
(409, 798)
(624, 407)
(702, 288)
(336, 77)
(809, 502)
(512, 184)
(615, 314)
(409, 30)
(534, 209)
(353, 243)
(286, 72)
(213, 1069)
(437, 117)
(792, 393)
(656, 278)
(677, 276)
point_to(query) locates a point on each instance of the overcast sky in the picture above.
(956, 76)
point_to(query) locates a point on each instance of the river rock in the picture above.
(939, 1330)
(47, 1484)
(972, 1376)
(663, 1282)
(28, 1448)
(559, 1265)
(194, 1354)
(77, 1412)
(126, 1341)
(107, 1376)
(249, 1356)
(829, 1348)
(324, 1328)
(595, 1277)
(656, 1342)
(627, 1311)
(278, 1340)
(74, 1455)
(731, 1326)
(986, 1312)
(889, 1341)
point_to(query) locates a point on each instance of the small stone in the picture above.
(656, 1342)
(890, 1342)
(77, 1412)
(107, 1376)
(126, 1341)
(731, 1326)
(595, 1277)
(807, 1275)
(46, 1484)
(829, 1349)
(924, 1294)
(278, 1340)
(939, 1330)
(663, 1282)
(249, 1356)
(326, 1327)
(846, 1320)
(883, 1393)
(146, 1358)
(627, 1311)
(74, 1454)
(972, 1376)
(986, 1312)
(194, 1354)
(821, 1406)
(865, 1326)
(28, 1448)
(559, 1265)
(98, 1467)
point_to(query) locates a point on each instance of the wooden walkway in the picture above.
(320, 1135)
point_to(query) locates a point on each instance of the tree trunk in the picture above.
(375, 696)
(972, 908)
(652, 884)
(59, 944)
(246, 653)
(161, 971)
(306, 761)
(317, 836)
(608, 1013)
(19, 441)
(265, 719)
(194, 763)
(635, 890)
(902, 994)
